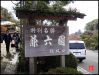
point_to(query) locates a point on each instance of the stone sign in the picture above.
(45, 40)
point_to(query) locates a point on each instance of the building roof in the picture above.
(74, 37)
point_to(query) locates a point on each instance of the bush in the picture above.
(46, 63)
(91, 41)
(23, 64)
(61, 70)
(71, 61)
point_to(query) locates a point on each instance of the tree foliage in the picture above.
(93, 25)
(54, 6)
(90, 36)
(42, 5)
(7, 15)
(45, 6)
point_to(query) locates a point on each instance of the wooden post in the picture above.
(32, 65)
(63, 56)
(63, 60)
(32, 60)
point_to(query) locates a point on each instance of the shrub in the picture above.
(61, 70)
(23, 64)
(45, 63)
(71, 61)
(54, 61)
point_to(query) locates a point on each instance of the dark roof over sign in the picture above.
(48, 15)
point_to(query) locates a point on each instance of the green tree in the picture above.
(52, 6)
(43, 5)
(7, 15)
(90, 36)
(93, 25)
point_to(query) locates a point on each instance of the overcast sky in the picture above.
(90, 8)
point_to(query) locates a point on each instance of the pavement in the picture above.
(83, 70)
(90, 61)
(8, 64)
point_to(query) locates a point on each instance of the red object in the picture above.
(91, 67)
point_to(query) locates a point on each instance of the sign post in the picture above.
(63, 60)
(32, 65)
(67, 48)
